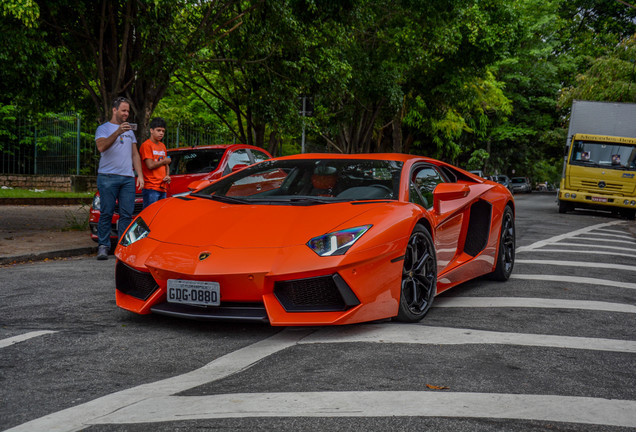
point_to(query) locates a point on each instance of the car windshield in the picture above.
(603, 154)
(518, 180)
(194, 161)
(309, 182)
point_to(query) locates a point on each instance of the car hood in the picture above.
(205, 222)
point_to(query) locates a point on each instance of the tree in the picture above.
(611, 77)
(130, 47)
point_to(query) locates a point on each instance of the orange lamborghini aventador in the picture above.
(317, 239)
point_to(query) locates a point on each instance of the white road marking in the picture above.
(79, 417)
(381, 404)
(603, 230)
(601, 233)
(574, 280)
(578, 264)
(604, 240)
(153, 402)
(99, 411)
(523, 302)
(583, 252)
(21, 338)
(571, 234)
(426, 335)
(587, 246)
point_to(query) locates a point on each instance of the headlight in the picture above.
(337, 242)
(96, 202)
(137, 231)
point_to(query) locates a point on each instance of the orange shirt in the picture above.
(153, 179)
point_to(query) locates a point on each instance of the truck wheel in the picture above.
(564, 207)
(628, 214)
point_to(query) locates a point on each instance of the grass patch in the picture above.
(26, 193)
(77, 220)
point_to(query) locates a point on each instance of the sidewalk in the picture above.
(40, 232)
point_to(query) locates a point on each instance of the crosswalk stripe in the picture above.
(570, 409)
(578, 264)
(574, 280)
(428, 335)
(528, 302)
(584, 252)
(587, 246)
(567, 235)
(23, 337)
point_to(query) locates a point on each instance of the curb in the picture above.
(46, 201)
(65, 253)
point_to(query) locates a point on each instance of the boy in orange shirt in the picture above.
(155, 163)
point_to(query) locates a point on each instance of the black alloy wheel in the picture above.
(419, 276)
(507, 244)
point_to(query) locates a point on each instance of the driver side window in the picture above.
(423, 182)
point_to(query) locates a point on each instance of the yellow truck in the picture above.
(599, 170)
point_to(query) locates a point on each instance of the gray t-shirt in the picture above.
(118, 158)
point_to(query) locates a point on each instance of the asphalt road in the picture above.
(553, 349)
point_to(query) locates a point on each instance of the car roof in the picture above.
(398, 157)
(218, 147)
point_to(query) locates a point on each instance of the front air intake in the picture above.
(319, 294)
(134, 282)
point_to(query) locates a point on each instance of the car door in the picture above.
(424, 179)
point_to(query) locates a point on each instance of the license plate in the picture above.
(599, 199)
(199, 293)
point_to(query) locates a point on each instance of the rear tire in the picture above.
(419, 277)
(506, 251)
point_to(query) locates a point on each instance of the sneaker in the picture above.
(102, 252)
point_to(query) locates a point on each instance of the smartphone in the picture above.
(133, 126)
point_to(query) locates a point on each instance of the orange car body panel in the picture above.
(255, 246)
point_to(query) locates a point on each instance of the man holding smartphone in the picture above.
(115, 178)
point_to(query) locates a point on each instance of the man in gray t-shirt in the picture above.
(115, 178)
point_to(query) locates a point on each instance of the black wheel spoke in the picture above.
(419, 276)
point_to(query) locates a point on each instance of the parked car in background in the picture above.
(502, 179)
(189, 164)
(521, 185)
(480, 173)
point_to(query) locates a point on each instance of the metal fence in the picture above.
(63, 144)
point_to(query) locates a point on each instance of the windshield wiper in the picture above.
(315, 200)
(586, 163)
(222, 198)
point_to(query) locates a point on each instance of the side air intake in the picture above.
(478, 227)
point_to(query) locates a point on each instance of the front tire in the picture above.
(419, 277)
(564, 207)
(506, 251)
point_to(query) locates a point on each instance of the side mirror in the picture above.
(449, 192)
(198, 184)
(238, 167)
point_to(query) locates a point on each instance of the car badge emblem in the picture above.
(203, 255)
(601, 184)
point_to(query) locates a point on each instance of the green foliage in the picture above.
(611, 77)
(481, 83)
(477, 160)
(25, 11)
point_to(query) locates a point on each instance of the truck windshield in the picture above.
(604, 154)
